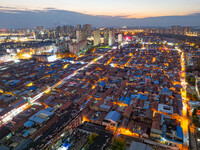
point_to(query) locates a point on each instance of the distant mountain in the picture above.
(52, 17)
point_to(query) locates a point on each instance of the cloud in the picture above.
(7, 7)
(50, 8)
(21, 10)
(12, 17)
(15, 10)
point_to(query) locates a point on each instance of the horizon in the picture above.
(114, 8)
(112, 13)
(50, 17)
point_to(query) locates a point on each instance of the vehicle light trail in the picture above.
(14, 112)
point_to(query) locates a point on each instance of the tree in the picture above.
(92, 137)
(118, 144)
(194, 112)
(189, 69)
(197, 66)
(195, 97)
(90, 49)
(190, 80)
(195, 120)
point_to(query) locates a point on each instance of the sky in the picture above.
(124, 8)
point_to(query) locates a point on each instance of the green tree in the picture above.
(118, 144)
(197, 66)
(194, 112)
(195, 97)
(190, 80)
(92, 137)
(195, 120)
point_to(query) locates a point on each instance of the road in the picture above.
(185, 121)
(14, 112)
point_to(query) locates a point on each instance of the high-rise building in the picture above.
(78, 27)
(87, 29)
(58, 29)
(42, 28)
(106, 36)
(78, 35)
(111, 38)
(119, 38)
(187, 30)
(71, 31)
(96, 37)
(34, 36)
(180, 30)
(76, 47)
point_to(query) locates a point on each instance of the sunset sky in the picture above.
(126, 8)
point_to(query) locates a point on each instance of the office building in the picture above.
(79, 35)
(76, 47)
(96, 37)
(78, 27)
(106, 36)
(111, 38)
(119, 38)
(87, 29)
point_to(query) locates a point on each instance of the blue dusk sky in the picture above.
(125, 8)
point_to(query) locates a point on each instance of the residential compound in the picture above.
(173, 30)
(132, 92)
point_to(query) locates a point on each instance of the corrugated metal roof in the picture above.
(179, 132)
(112, 115)
(105, 107)
(139, 146)
(29, 123)
(19, 103)
(102, 84)
(26, 133)
(32, 88)
(51, 72)
(36, 117)
(3, 147)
